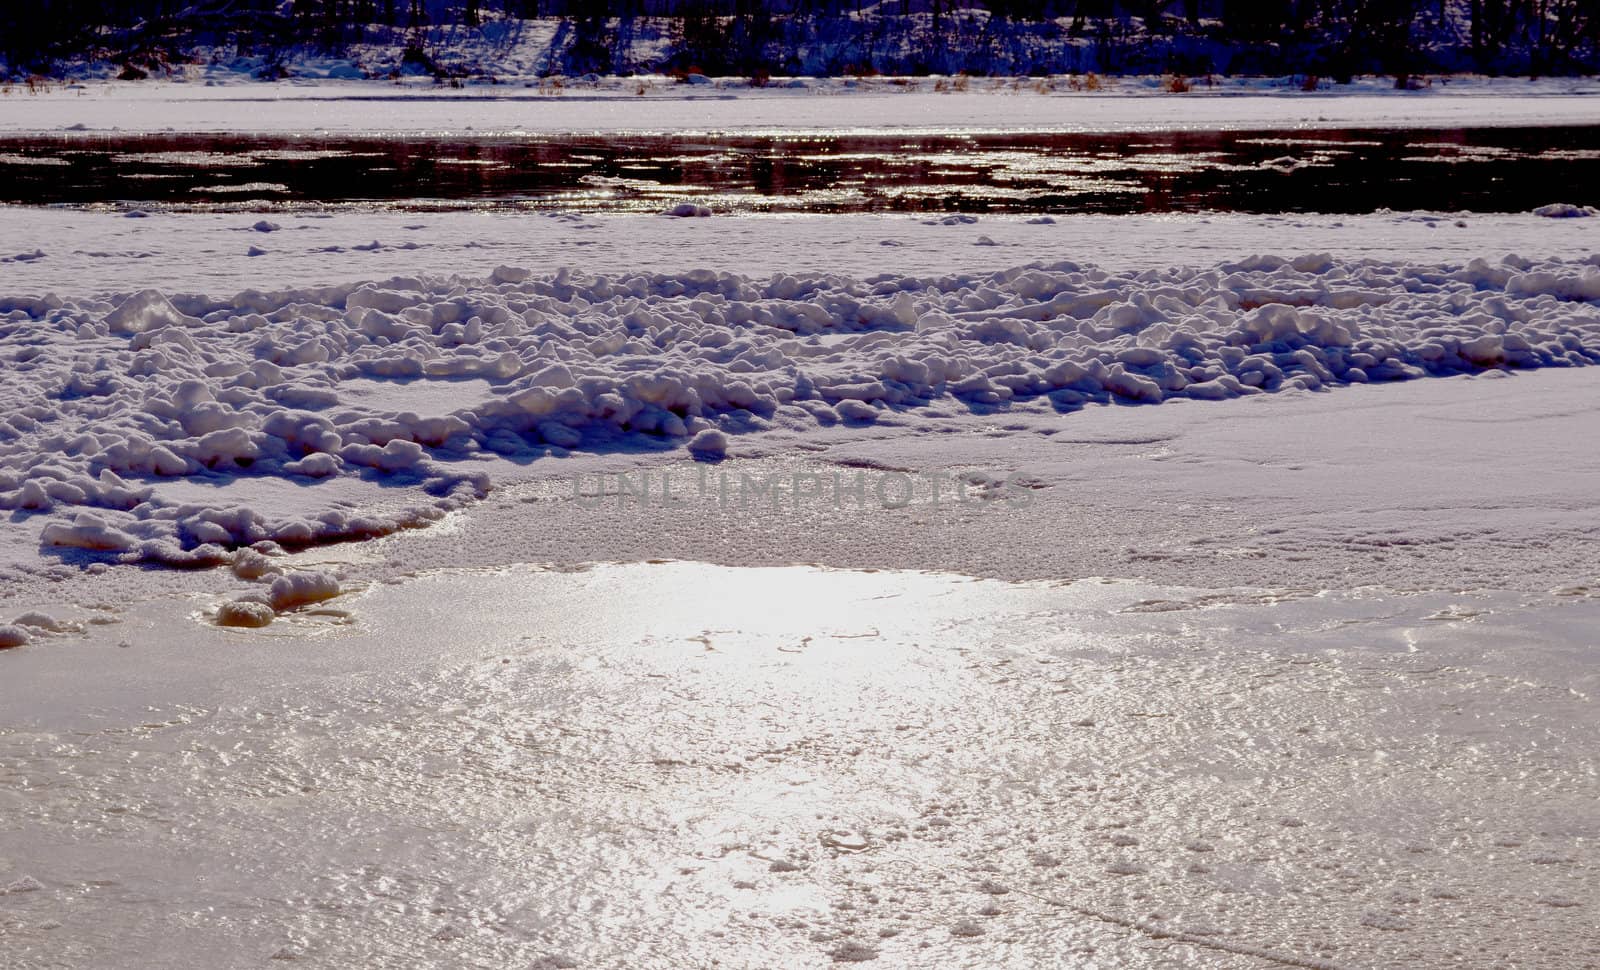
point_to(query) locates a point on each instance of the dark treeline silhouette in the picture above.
(1327, 37)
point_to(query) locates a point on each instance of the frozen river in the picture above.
(1308, 170)
(1295, 668)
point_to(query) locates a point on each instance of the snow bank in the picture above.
(108, 400)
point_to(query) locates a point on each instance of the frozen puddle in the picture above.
(679, 764)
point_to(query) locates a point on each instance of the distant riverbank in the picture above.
(455, 41)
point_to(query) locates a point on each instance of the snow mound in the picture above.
(1565, 210)
(116, 412)
(709, 443)
(149, 310)
(689, 210)
(244, 613)
(250, 564)
(45, 623)
(297, 589)
(87, 531)
(12, 635)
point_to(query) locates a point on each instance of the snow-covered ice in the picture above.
(1359, 734)
(731, 104)
(86, 253)
(111, 398)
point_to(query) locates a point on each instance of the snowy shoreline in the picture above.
(874, 105)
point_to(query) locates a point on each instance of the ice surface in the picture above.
(677, 764)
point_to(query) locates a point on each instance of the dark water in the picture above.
(1485, 170)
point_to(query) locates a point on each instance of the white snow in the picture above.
(91, 253)
(250, 564)
(302, 588)
(709, 443)
(110, 397)
(45, 623)
(837, 105)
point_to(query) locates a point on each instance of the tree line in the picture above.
(749, 36)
